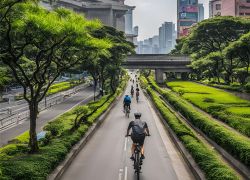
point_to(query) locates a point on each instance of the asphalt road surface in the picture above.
(47, 115)
(106, 156)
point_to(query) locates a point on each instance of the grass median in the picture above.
(222, 105)
(62, 86)
(235, 144)
(61, 136)
(207, 159)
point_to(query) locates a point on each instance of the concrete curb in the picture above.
(63, 166)
(198, 174)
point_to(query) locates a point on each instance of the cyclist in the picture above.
(126, 102)
(132, 91)
(137, 92)
(139, 131)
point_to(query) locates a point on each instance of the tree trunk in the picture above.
(95, 84)
(112, 85)
(33, 106)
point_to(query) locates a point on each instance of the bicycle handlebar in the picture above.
(130, 135)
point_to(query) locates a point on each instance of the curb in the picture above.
(196, 171)
(63, 166)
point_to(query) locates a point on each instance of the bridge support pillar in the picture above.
(159, 76)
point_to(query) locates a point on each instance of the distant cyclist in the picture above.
(126, 102)
(139, 131)
(132, 91)
(137, 91)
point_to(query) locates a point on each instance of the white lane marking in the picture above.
(120, 174)
(125, 144)
(126, 173)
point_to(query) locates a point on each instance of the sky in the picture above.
(150, 14)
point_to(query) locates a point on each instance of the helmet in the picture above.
(137, 115)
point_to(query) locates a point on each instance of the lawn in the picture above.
(222, 105)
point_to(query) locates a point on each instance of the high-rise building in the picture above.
(200, 12)
(131, 32)
(187, 11)
(166, 32)
(111, 12)
(215, 8)
(229, 8)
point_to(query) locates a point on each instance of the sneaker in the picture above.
(142, 156)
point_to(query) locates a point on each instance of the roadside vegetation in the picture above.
(234, 143)
(219, 55)
(222, 105)
(38, 45)
(62, 133)
(208, 160)
(62, 86)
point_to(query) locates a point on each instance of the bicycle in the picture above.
(137, 159)
(132, 93)
(127, 111)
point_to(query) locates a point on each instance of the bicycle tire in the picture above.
(138, 166)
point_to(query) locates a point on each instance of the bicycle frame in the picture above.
(137, 98)
(127, 111)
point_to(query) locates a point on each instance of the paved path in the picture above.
(106, 156)
(47, 115)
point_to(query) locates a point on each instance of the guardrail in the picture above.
(22, 114)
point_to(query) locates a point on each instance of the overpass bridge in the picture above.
(161, 63)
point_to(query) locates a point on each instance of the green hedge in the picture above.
(16, 163)
(222, 105)
(235, 144)
(62, 86)
(207, 159)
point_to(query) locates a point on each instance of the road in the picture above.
(106, 156)
(47, 115)
(19, 106)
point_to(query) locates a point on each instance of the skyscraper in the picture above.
(166, 35)
(187, 11)
(201, 12)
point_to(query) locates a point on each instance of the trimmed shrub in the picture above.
(218, 103)
(207, 159)
(235, 144)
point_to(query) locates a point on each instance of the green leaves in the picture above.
(218, 46)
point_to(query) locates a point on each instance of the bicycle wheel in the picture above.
(138, 166)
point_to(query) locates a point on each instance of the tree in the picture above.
(79, 111)
(5, 78)
(238, 54)
(38, 46)
(110, 66)
(213, 36)
(208, 66)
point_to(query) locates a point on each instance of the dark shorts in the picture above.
(138, 139)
